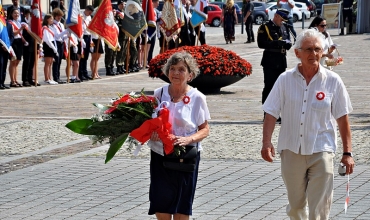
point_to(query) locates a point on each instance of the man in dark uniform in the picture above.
(347, 7)
(122, 39)
(273, 36)
(248, 20)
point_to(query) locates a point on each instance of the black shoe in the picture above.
(278, 120)
(60, 82)
(74, 81)
(26, 84)
(341, 33)
(248, 42)
(252, 40)
(33, 83)
(2, 87)
(87, 77)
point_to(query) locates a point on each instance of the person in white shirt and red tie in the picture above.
(313, 101)
(49, 47)
(59, 34)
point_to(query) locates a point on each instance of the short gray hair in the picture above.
(308, 34)
(184, 56)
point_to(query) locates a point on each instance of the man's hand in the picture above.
(268, 152)
(349, 163)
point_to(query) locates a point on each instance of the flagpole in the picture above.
(35, 63)
(127, 54)
(145, 51)
(69, 59)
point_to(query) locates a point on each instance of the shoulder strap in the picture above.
(160, 99)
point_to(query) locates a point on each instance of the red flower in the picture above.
(211, 60)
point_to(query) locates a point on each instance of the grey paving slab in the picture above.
(215, 198)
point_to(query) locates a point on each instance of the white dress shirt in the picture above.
(308, 112)
(16, 26)
(48, 37)
(85, 23)
(58, 30)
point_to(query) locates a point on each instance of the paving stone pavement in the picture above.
(47, 172)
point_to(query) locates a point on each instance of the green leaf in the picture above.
(115, 146)
(80, 126)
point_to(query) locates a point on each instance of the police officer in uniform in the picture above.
(122, 39)
(273, 36)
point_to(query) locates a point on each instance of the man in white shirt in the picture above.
(288, 5)
(312, 100)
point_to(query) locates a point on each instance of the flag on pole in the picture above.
(36, 19)
(198, 16)
(133, 23)
(103, 24)
(74, 19)
(4, 37)
(168, 23)
(150, 17)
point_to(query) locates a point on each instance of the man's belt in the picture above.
(347, 8)
(276, 50)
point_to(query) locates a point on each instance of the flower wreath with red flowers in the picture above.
(212, 60)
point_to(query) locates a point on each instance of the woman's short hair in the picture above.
(190, 62)
(57, 12)
(45, 20)
(309, 33)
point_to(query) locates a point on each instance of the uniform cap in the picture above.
(283, 13)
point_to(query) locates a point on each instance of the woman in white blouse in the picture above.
(50, 50)
(17, 46)
(320, 24)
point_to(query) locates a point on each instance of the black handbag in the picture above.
(185, 162)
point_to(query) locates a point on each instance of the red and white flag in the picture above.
(150, 17)
(103, 24)
(74, 19)
(36, 20)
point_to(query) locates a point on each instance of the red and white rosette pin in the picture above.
(186, 99)
(320, 96)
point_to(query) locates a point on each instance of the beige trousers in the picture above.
(309, 181)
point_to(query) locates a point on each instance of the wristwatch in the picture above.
(348, 154)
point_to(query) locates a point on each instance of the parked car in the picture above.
(237, 8)
(304, 9)
(272, 7)
(214, 15)
(310, 4)
(259, 14)
(318, 4)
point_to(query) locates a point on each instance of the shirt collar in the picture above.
(320, 73)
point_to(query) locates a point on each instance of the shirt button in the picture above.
(304, 100)
(301, 123)
(302, 113)
(301, 135)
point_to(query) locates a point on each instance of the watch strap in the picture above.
(347, 154)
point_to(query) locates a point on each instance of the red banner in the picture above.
(36, 20)
(103, 24)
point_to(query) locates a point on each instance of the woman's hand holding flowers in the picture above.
(182, 141)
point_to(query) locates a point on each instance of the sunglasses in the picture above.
(322, 25)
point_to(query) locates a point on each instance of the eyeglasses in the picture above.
(310, 50)
(322, 25)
